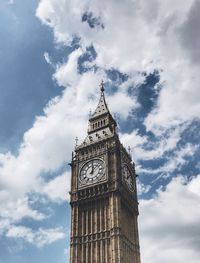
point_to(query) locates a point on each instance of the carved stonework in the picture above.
(104, 204)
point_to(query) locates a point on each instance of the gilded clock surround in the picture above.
(127, 177)
(92, 172)
(104, 226)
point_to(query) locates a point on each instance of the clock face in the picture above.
(128, 178)
(92, 171)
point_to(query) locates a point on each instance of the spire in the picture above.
(101, 124)
(102, 105)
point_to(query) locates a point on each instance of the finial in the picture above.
(76, 140)
(129, 150)
(102, 86)
(90, 113)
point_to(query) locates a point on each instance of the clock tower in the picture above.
(104, 206)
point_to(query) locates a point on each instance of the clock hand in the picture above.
(92, 171)
(96, 170)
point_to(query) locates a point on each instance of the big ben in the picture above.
(104, 205)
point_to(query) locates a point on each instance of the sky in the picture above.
(53, 56)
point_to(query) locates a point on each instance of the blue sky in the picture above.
(54, 54)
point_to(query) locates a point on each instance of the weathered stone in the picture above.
(104, 204)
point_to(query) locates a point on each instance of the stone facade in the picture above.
(104, 206)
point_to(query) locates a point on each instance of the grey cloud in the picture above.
(190, 33)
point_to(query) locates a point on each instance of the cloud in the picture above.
(14, 209)
(142, 188)
(45, 148)
(57, 189)
(66, 73)
(142, 148)
(174, 163)
(48, 58)
(147, 36)
(48, 144)
(133, 37)
(39, 238)
(133, 140)
(122, 103)
(10, 2)
(169, 223)
(190, 30)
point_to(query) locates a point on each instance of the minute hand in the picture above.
(92, 168)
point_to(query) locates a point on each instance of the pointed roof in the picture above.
(102, 107)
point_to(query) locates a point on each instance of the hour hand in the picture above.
(92, 171)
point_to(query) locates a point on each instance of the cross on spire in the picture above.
(76, 141)
(102, 86)
(129, 150)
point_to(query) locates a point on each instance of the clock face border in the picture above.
(125, 180)
(102, 178)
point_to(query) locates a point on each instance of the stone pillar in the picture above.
(115, 228)
(72, 235)
(95, 230)
(86, 252)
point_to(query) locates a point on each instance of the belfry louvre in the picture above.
(104, 206)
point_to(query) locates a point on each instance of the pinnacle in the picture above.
(102, 105)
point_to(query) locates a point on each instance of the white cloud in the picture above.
(145, 36)
(38, 238)
(194, 185)
(133, 140)
(66, 74)
(58, 188)
(142, 188)
(122, 103)
(45, 148)
(48, 58)
(169, 224)
(14, 209)
(144, 149)
(138, 36)
(48, 144)
(175, 162)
